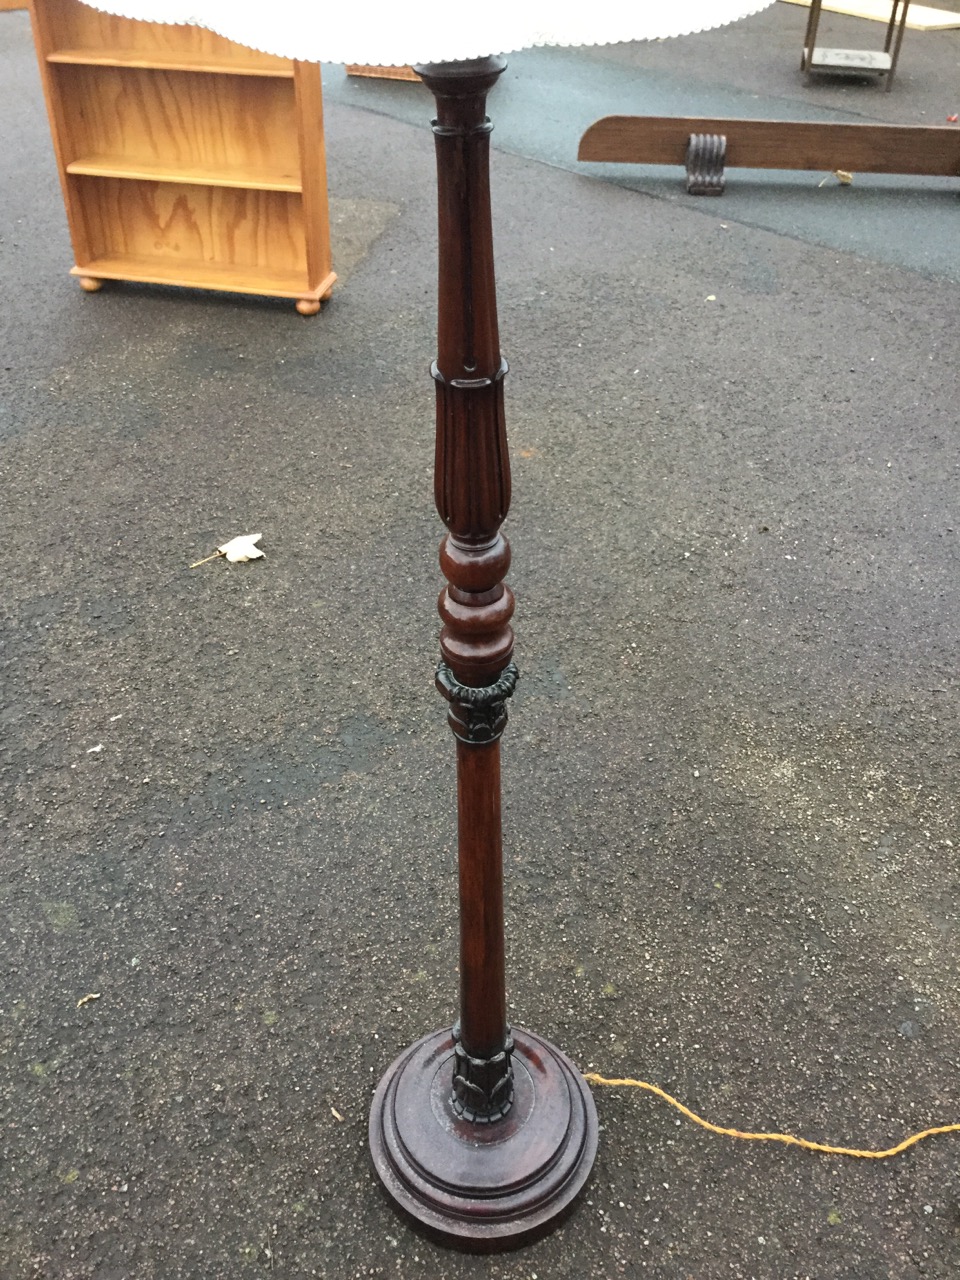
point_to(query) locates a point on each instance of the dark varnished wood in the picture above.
(483, 1001)
(778, 144)
(472, 491)
(481, 1135)
(472, 478)
(483, 1188)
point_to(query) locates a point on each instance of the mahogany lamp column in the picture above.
(484, 1136)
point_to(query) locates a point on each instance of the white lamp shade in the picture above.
(422, 31)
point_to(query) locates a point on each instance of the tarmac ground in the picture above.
(732, 768)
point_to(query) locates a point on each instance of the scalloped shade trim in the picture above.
(400, 34)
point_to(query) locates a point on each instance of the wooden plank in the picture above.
(44, 34)
(381, 73)
(163, 61)
(919, 18)
(107, 166)
(778, 144)
(12, 4)
(193, 274)
(313, 169)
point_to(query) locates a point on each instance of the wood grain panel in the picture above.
(377, 72)
(195, 228)
(183, 122)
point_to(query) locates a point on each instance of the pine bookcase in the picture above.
(185, 159)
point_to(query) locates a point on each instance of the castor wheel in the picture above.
(308, 306)
(90, 284)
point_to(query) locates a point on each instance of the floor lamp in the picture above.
(483, 1135)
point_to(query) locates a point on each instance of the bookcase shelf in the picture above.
(185, 159)
(204, 275)
(111, 166)
(160, 62)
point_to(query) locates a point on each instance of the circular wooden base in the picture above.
(308, 306)
(90, 284)
(483, 1187)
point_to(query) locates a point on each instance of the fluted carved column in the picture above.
(472, 490)
(483, 1135)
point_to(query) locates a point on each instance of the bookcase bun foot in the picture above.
(89, 284)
